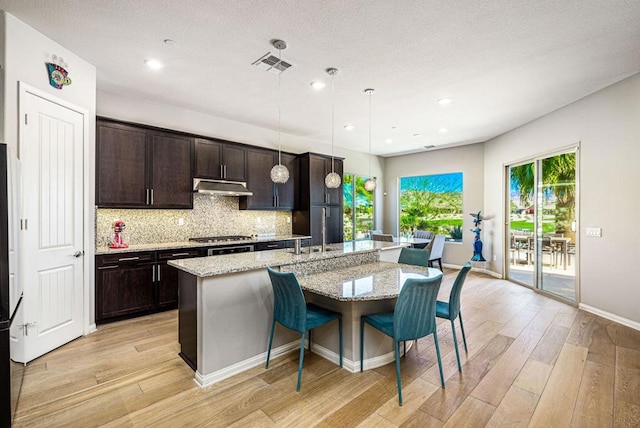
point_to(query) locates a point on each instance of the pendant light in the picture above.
(332, 180)
(370, 184)
(279, 173)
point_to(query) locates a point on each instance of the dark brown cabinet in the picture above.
(268, 195)
(313, 196)
(133, 284)
(220, 160)
(141, 168)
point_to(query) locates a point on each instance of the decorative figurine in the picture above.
(118, 240)
(477, 243)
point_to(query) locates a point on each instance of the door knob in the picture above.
(78, 254)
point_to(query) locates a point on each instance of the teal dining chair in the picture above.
(451, 310)
(291, 310)
(413, 317)
(414, 256)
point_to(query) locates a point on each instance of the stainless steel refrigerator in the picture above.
(10, 372)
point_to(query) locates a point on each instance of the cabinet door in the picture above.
(167, 277)
(286, 192)
(259, 180)
(121, 168)
(334, 196)
(333, 221)
(317, 172)
(171, 171)
(208, 162)
(234, 159)
(124, 290)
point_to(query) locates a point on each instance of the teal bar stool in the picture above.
(451, 310)
(413, 317)
(414, 256)
(291, 310)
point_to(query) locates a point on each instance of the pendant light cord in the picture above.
(279, 109)
(333, 113)
(370, 94)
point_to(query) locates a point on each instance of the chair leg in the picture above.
(309, 340)
(440, 264)
(300, 364)
(273, 327)
(397, 352)
(340, 336)
(435, 340)
(464, 338)
(455, 345)
(361, 344)
(404, 345)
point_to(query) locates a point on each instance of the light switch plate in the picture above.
(594, 232)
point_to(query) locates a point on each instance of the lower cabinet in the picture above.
(132, 284)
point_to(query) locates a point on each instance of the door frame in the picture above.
(506, 213)
(88, 191)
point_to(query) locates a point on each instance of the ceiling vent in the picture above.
(272, 63)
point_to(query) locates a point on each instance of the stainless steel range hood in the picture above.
(221, 187)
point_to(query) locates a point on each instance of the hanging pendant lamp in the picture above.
(370, 184)
(332, 180)
(279, 173)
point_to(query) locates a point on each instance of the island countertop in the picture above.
(371, 281)
(241, 262)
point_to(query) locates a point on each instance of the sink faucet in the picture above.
(324, 229)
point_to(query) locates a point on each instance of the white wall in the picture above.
(167, 116)
(607, 126)
(25, 53)
(466, 159)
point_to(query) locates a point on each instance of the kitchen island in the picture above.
(226, 305)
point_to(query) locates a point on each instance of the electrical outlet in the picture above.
(180, 221)
(594, 232)
(495, 257)
(288, 219)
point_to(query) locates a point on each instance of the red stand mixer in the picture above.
(118, 240)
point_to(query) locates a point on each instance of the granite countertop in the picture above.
(372, 281)
(241, 262)
(191, 244)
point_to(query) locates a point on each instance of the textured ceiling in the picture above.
(503, 62)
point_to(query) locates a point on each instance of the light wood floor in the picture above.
(532, 361)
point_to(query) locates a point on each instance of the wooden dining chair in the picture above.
(386, 237)
(291, 310)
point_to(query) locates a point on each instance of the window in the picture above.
(432, 202)
(358, 208)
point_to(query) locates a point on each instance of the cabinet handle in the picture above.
(158, 273)
(329, 212)
(225, 171)
(108, 267)
(272, 245)
(222, 171)
(275, 201)
(146, 196)
(328, 197)
(179, 254)
(151, 196)
(128, 259)
(153, 273)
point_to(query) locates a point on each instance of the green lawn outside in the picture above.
(527, 225)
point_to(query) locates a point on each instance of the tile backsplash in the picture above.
(212, 215)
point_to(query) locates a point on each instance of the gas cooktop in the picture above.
(229, 238)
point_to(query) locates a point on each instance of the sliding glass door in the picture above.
(541, 231)
(358, 208)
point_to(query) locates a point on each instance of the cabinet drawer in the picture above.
(183, 253)
(262, 246)
(125, 258)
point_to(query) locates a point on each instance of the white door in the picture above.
(51, 151)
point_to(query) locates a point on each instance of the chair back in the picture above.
(415, 313)
(423, 234)
(414, 256)
(374, 232)
(456, 290)
(383, 237)
(289, 306)
(437, 247)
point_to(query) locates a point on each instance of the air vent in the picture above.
(272, 63)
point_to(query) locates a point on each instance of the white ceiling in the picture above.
(503, 62)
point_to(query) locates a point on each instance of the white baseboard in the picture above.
(354, 366)
(227, 372)
(475, 269)
(612, 317)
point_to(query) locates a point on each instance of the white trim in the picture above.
(475, 269)
(354, 366)
(612, 317)
(242, 366)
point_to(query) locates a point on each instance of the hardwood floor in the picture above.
(532, 361)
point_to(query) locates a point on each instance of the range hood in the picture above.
(221, 187)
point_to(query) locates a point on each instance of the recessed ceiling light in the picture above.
(153, 64)
(349, 127)
(389, 141)
(318, 85)
(444, 101)
(415, 135)
(443, 130)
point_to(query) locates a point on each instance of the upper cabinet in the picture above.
(319, 193)
(268, 195)
(138, 167)
(220, 160)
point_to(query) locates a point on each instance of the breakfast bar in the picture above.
(226, 303)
